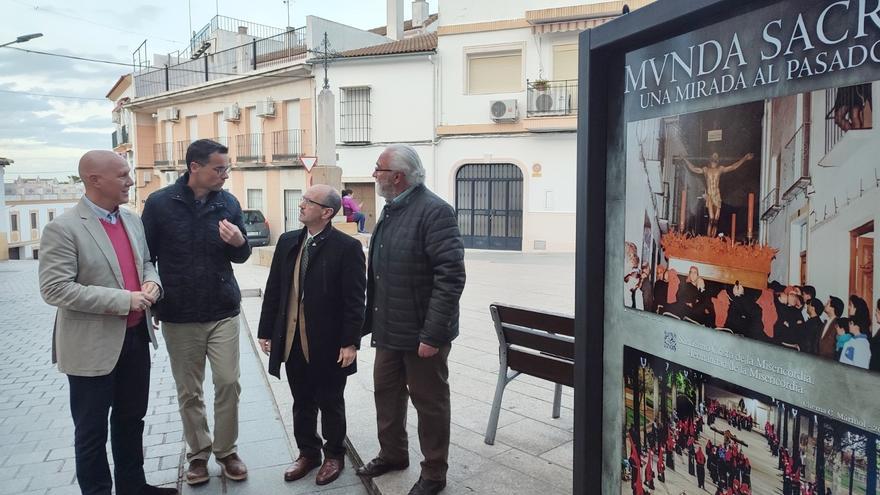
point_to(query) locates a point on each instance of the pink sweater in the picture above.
(125, 255)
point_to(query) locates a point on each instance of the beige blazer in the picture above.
(80, 275)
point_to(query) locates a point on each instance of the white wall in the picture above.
(553, 222)
(468, 11)
(458, 107)
(26, 240)
(340, 36)
(401, 99)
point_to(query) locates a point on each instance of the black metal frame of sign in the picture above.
(766, 49)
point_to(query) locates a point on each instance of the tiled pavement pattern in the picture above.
(531, 455)
(36, 431)
(532, 452)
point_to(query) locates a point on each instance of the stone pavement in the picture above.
(532, 452)
(36, 430)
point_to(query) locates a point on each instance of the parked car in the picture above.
(256, 227)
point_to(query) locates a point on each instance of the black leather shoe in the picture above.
(379, 466)
(427, 487)
(155, 490)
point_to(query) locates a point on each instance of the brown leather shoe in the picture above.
(301, 467)
(233, 467)
(197, 472)
(379, 466)
(329, 471)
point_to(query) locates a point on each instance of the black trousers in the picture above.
(123, 393)
(312, 392)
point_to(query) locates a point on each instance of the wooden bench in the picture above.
(535, 343)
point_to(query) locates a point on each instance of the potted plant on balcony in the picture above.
(540, 84)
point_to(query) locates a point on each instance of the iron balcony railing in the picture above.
(180, 152)
(287, 145)
(249, 147)
(182, 72)
(794, 170)
(163, 154)
(548, 98)
(770, 204)
(120, 136)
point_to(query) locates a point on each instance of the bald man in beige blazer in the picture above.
(95, 268)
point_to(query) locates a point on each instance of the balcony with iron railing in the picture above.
(249, 148)
(181, 72)
(794, 167)
(847, 115)
(163, 155)
(120, 137)
(770, 204)
(180, 148)
(287, 145)
(551, 98)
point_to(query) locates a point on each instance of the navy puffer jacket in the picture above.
(194, 263)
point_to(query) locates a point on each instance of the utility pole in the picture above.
(287, 3)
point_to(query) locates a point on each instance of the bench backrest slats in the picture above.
(546, 367)
(540, 341)
(549, 322)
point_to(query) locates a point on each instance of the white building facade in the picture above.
(30, 205)
(506, 156)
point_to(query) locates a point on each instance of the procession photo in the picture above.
(758, 220)
(686, 432)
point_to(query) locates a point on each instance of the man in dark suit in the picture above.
(828, 335)
(313, 311)
(808, 338)
(95, 268)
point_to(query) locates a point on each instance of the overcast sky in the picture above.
(46, 135)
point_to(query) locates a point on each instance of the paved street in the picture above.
(36, 431)
(532, 452)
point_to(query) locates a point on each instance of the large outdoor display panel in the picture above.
(687, 431)
(741, 307)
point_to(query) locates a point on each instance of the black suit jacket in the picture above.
(333, 299)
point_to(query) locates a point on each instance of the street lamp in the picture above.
(23, 38)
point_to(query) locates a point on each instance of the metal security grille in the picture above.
(489, 201)
(354, 116)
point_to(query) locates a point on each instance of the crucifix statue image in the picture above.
(713, 172)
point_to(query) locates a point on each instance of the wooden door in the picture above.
(365, 192)
(861, 279)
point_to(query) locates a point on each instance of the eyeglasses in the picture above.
(307, 200)
(377, 169)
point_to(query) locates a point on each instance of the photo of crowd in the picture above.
(686, 432)
(758, 220)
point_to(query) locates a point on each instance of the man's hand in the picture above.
(230, 233)
(265, 345)
(347, 356)
(140, 301)
(426, 351)
(152, 290)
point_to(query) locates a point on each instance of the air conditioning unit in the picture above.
(503, 110)
(266, 108)
(117, 117)
(545, 103)
(148, 177)
(172, 114)
(232, 113)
